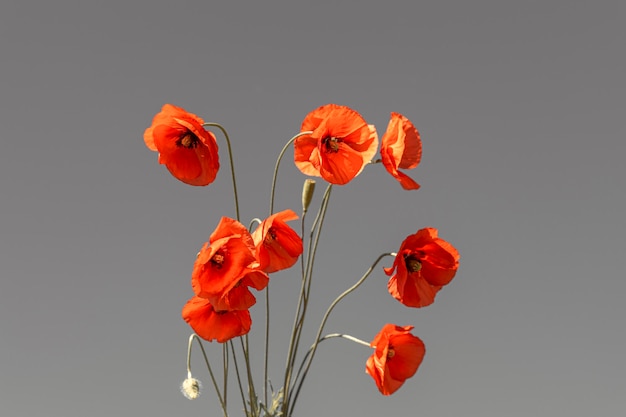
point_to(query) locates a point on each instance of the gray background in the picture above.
(521, 110)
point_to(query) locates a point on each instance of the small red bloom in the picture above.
(397, 356)
(423, 265)
(341, 144)
(187, 149)
(211, 325)
(278, 246)
(401, 147)
(228, 263)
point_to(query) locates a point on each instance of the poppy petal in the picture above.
(215, 325)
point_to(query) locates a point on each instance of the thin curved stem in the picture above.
(280, 156)
(232, 165)
(254, 221)
(208, 365)
(323, 323)
(329, 336)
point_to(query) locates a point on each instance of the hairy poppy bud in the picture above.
(307, 193)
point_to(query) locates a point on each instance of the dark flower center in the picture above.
(413, 264)
(218, 260)
(188, 141)
(390, 352)
(271, 235)
(332, 144)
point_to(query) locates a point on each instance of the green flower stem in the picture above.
(280, 156)
(225, 361)
(319, 221)
(208, 365)
(243, 396)
(232, 165)
(251, 391)
(323, 323)
(267, 292)
(303, 298)
(330, 336)
(343, 336)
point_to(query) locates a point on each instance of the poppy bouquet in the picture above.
(335, 144)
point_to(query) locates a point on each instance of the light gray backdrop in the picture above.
(521, 109)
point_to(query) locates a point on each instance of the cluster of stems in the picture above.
(283, 402)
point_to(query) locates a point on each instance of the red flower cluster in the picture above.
(342, 143)
(229, 264)
(336, 144)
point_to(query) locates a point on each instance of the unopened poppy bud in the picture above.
(191, 388)
(307, 193)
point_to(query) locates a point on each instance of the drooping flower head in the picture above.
(278, 246)
(396, 358)
(341, 144)
(226, 266)
(187, 149)
(211, 324)
(423, 265)
(191, 388)
(401, 147)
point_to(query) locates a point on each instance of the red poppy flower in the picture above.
(240, 297)
(228, 261)
(397, 356)
(211, 325)
(278, 246)
(401, 147)
(423, 265)
(341, 144)
(187, 149)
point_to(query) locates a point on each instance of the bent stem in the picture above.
(321, 328)
(329, 336)
(280, 156)
(232, 165)
(208, 365)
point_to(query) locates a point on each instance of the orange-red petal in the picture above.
(438, 262)
(196, 164)
(278, 246)
(340, 145)
(224, 261)
(397, 356)
(401, 147)
(215, 325)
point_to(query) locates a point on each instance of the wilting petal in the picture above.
(401, 147)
